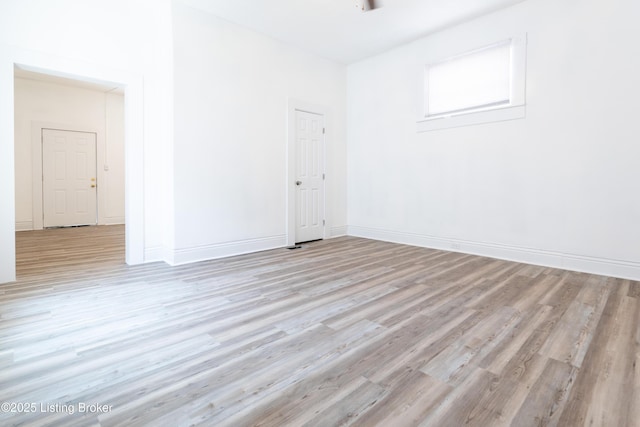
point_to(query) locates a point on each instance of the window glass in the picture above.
(476, 80)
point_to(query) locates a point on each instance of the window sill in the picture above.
(472, 118)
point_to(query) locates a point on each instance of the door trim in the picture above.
(294, 105)
(36, 166)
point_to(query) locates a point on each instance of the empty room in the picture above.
(319, 213)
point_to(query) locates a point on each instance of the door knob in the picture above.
(298, 182)
(93, 186)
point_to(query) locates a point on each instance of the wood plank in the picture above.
(548, 396)
(604, 393)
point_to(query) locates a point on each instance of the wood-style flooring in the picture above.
(344, 331)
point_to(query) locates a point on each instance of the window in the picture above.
(482, 85)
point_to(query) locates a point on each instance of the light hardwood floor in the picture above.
(340, 332)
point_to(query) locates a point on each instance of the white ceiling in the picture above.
(338, 30)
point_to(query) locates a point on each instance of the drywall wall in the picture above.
(232, 88)
(7, 190)
(558, 188)
(111, 210)
(38, 104)
(116, 41)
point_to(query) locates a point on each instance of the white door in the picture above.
(309, 176)
(69, 184)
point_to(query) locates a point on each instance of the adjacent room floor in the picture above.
(342, 331)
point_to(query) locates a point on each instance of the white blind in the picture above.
(478, 79)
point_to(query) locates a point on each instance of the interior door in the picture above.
(69, 186)
(309, 176)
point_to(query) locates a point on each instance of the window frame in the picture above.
(513, 109)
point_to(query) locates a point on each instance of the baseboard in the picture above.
(114, 220)
(338, 231)
(223, 250)
(606, 267)
(24, 225)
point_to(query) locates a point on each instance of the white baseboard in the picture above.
(223, 250)
(24, 225)
(114, 220)
(338, 231)
(606, 267)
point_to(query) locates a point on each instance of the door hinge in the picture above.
(323, 222)
(323, 130)
(322, 176)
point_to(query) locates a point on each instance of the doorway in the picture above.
(64, 129)
(18, 58)
(308, 135)
(309, 175)
(69, 185)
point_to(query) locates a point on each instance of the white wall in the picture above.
(231, 88)
(39, 103)
(559, 188)
(111, 190)
(122, 41)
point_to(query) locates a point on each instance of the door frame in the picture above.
(294, 105)
(10, 57)
(36, 165)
